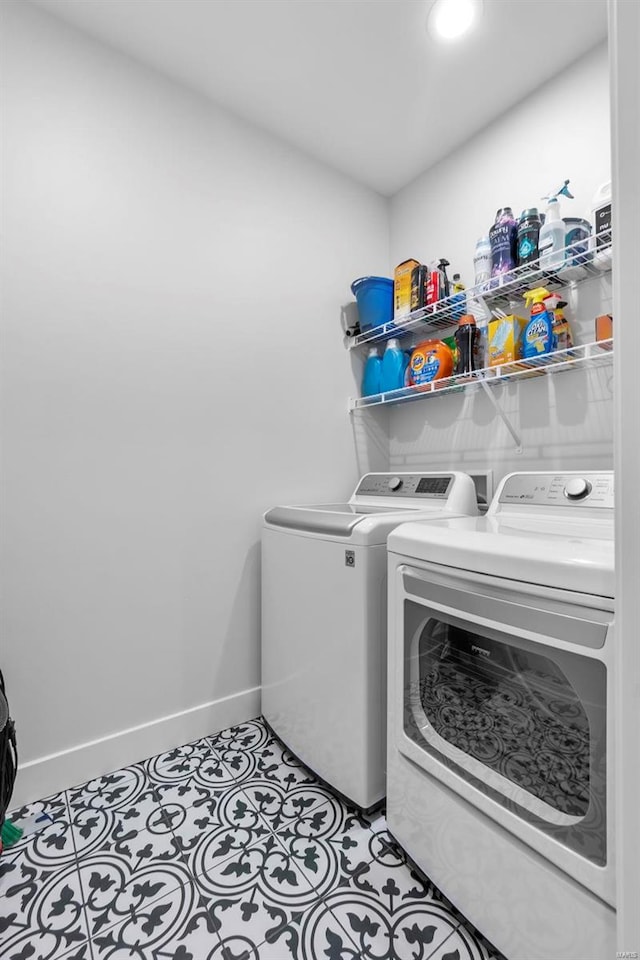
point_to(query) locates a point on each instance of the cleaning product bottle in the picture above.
(433, 290)
(430, 360)
(482, 261)
(419, 277)
(482, 313)
(551, 240)
(393, 367)
(561, 328)
(442, 267)
(537, 336)
(458, 297)
(601, 220)
(503, 237)
(528, 236)
(406, 368)
(577, 242)
(466, 341)
(453, 347)
(372, 373)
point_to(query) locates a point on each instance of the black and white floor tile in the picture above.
(222, 849)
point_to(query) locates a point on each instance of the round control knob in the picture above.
(395, 483)
(577, 489)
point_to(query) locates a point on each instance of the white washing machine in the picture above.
(324, 609)
(500, 759)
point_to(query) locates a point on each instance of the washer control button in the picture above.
(395, 483)
(577, 488)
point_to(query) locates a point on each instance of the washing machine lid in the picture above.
(379, 503)
(571, 554)
(338, 519)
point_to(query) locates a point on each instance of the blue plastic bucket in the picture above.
(375, 301)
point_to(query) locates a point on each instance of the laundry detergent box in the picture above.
(604, 330)
(402, 289)
(505, 339)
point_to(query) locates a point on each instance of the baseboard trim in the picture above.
(58, 771)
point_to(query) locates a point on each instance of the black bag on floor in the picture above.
(8, 754)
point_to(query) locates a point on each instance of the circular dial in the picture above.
(577, 488)
(395, 483)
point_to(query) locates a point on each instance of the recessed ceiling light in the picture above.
(449, 19)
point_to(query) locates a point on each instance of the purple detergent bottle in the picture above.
(503, 237)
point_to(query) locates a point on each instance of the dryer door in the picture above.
(508, 692)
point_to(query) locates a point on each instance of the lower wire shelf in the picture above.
(594, 354)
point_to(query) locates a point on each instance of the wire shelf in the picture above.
(515, 283)
(588, 355)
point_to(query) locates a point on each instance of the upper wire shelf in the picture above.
(445, 312)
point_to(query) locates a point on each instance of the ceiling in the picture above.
(358, 84)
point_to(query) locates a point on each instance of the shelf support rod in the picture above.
(505, 419)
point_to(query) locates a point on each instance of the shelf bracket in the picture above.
(505, 419)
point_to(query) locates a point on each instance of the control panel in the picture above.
(434, 485)
(559, 489)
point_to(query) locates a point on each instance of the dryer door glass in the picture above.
(523, 722)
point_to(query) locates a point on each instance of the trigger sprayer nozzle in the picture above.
(538, 295)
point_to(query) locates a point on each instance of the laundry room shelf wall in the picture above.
(495, 292)
(597, 354)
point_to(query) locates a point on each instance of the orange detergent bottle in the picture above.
(430, 360)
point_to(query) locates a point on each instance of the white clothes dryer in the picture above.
(500, 758)
(324, 618)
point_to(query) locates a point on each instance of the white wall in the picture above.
(560, 131)
(172, 365)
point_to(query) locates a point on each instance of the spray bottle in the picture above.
(446, 286)
(561, 328)
(538, 337)
(551, 242)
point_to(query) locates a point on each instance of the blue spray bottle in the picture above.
(538, 337)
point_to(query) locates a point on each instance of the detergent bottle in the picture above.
(393, 367)
(372, 373)
(430, 360)
(528, 236)
(561, 329)
(482, 261)
(538, 337)
(601, 218)
(503, 237)
(466, 336)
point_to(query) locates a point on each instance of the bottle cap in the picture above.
(468, 318)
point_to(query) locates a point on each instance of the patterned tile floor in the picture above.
(223, 849)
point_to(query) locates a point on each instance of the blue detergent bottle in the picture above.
(393, 367)
(372, 373)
